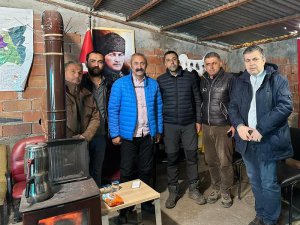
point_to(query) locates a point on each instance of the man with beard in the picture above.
(181, 103)
(95, 82)
(135, 123)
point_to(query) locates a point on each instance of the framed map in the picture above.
(16, 47)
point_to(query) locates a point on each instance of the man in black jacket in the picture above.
(181, 115)
(95, 82)
(217, 133)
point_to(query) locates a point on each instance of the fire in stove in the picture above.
(73, 218)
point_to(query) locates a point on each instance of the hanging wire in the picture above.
(90, 19)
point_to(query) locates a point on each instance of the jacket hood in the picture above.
(271, 68)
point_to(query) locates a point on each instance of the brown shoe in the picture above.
(257, 221)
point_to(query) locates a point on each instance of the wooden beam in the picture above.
(97, 4)
(143, 9)
(252, 27)
(264, 41)
(95, 14)
(208, 13)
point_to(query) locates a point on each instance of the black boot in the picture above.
(173, 196)
(195, 194)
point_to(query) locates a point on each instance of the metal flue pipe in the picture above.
(52, 25)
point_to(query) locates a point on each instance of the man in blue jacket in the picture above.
(260, 104)
(135, 122)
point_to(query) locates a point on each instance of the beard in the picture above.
(94, 71)
(173, 68)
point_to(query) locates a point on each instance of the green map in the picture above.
(16, 48)
(11, 46)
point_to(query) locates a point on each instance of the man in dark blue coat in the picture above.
(260, 104)
(181, 115)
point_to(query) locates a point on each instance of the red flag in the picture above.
(87, 46)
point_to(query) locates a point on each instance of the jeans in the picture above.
(97, 148)
(187, 134)
(137, 159)
(218, 155)
(263, 180)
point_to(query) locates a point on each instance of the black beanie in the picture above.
(112, 42)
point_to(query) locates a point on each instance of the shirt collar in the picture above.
(136, 80)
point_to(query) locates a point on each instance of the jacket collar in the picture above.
(180, 71)
(270, 70)
(145, 78)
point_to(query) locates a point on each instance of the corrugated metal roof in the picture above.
(122, 7)
(172, 11)
(211, 27)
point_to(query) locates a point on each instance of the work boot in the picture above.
(122, 218)
(148, 207)
(195, 194)
(173, 197)
(256, 221)
(213, 196)
(226, 200)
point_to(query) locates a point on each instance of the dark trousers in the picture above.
(188, 136)
(97, 148)
(218, 155)
(137, 159)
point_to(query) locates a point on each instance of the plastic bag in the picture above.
(112, 199)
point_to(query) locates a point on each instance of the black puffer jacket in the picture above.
(215, 98)
(181, 98)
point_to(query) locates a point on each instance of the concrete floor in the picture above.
(187, 212)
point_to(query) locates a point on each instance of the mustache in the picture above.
(139, 69)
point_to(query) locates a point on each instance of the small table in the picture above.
(133, 197)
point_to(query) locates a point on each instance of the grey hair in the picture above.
(139, 54)
(211, 55)
(73, 63)
(254, 48)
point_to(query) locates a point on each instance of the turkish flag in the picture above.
(87, 46)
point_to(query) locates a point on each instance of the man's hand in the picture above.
(78, 136)
(157, 138)
(232, 130)
(117, 140)
(198, 127)
(256, 136)
(243, 132)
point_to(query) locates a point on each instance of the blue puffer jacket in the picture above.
(122, 108)
(273, 105)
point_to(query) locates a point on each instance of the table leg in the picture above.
(139, 213)
(105, 220)
(157, 212)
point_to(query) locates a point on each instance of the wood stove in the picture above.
(75, 203)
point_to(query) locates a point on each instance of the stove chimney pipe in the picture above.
(52, 25)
